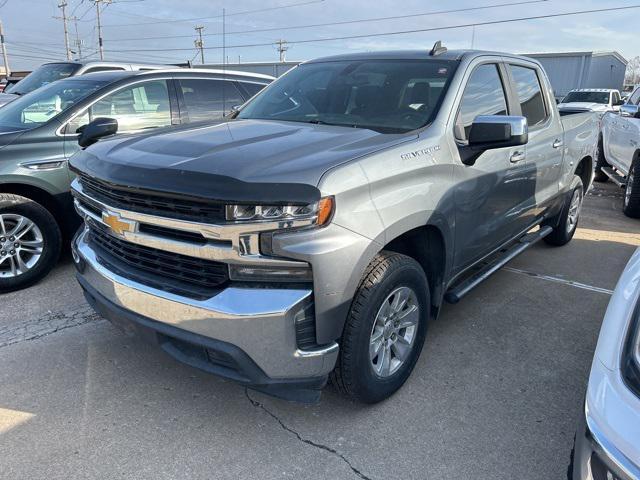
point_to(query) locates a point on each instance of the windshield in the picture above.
(36, 108)
(43, 75)
(389, 96)
(588, 97)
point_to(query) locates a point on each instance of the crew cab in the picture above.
(619, 152)
(591, 100)
(40, 131)
(319, 231)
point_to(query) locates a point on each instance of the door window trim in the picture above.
(502, 74)
(545, 99)
(83, 110)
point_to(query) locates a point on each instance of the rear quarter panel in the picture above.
(581, 132)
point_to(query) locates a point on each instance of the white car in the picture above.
(618, 155)
(607, 445)
(50, 72)
(591, 100)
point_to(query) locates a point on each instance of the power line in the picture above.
(400, 32)
(345, 22)
(246, 12)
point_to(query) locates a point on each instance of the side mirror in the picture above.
(94, 131)
(628, 110)
(489, 132)
(619, 102)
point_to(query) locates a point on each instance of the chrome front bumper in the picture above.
(258, 321)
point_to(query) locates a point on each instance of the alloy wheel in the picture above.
(394, 331)
(21, 245)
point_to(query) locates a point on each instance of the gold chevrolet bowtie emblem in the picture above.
(117, 224)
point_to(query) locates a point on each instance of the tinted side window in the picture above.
(483, 95)
(252, 88)
(635, 97)
(135, 107)
(529, 94)
(209, 99)
(616, 99)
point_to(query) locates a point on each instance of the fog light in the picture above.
(252, 273)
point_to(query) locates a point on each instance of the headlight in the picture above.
(631, 354)
(319, 213)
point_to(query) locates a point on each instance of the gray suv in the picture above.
(39, 133)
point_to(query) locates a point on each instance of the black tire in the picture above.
(11, 205)
(354, 374)
(631, 202)
(601, 162)
(566, 226)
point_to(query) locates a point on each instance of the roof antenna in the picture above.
(438, 49)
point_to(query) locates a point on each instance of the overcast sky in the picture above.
(34, 37)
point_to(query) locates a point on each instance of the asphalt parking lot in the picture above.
(496, 393)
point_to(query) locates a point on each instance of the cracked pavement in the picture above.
(496, 393)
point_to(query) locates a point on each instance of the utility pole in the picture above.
(224, 38)
(78, 41)
(7, 70)
(62, 6)
(282, 49)
(100, 42)
(199, 42)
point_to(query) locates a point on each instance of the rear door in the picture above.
(545, 148)
(493, 195)
(207, 99)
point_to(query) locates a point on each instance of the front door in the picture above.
(492, 194)
(137, 107)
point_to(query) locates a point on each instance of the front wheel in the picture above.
(385, 329)
(631, 206)
(569, 216)
(30, 242)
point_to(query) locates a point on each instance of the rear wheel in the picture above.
(631, 207)
(385, 330)
(569, 216)
(601, 162)
(30, 242)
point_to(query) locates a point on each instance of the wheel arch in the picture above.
(584, 169)
(427, 245)
(37, 194)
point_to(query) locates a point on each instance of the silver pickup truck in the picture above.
(618, 156)
(318, 233)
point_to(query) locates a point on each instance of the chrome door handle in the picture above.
(558, 144)
(517, 156)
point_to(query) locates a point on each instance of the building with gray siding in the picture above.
(572, 70)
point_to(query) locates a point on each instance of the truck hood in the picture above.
(243, 160)
(7, 98)
(589, 106)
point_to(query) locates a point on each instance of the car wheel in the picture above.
(569, 216)
(385, 329)
(631, 207)
(601, 162)
(30, 242)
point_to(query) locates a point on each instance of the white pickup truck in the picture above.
(619, 152)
